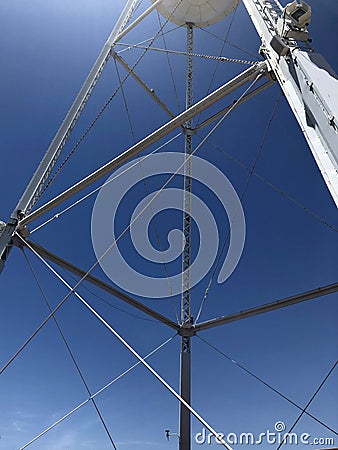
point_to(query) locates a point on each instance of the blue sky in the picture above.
(46, 50)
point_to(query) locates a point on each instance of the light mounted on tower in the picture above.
(294, 21)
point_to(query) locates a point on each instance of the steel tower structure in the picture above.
(311, 88)
(186, 319)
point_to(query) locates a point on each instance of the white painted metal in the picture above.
(31, 194)
(311, 88)
(137, 21)
(268, 307)
(144, 86)
(246, 76)
(33, 191)
(199, 12)
(52, 257)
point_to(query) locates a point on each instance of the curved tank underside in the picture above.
(198, 12)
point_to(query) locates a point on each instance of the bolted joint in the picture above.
(187, 330)
(7, 230)
(279, 46)
(12, 222)
(21, 214)
(189, 131)
(2, 226)
(23, 231)
(6, 236)
(332, 121)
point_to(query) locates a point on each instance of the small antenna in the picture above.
(168, 434)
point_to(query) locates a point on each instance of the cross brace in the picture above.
(185, 329)
(52, 257)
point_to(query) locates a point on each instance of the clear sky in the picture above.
(46, 50)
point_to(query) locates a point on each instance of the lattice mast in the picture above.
(309, 84)
(186, 319)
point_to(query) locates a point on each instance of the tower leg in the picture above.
(186, 320)
(185, 426)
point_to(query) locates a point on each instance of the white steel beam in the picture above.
(246, 76)
(37, 182)
(52, 257)
(233, 105)
(137, 21)
(310, 86)
(144, 86)
(31, 194)
(267, 307)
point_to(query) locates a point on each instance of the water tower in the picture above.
(310, 88)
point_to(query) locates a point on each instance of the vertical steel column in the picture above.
(187, 184)
(35, 187)
(186, 320)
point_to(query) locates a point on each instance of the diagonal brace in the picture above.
(231, 106)
(33, 191)
(31, 194)
(97, 282)
(298, 298)
(246, 76)
(139, 80)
